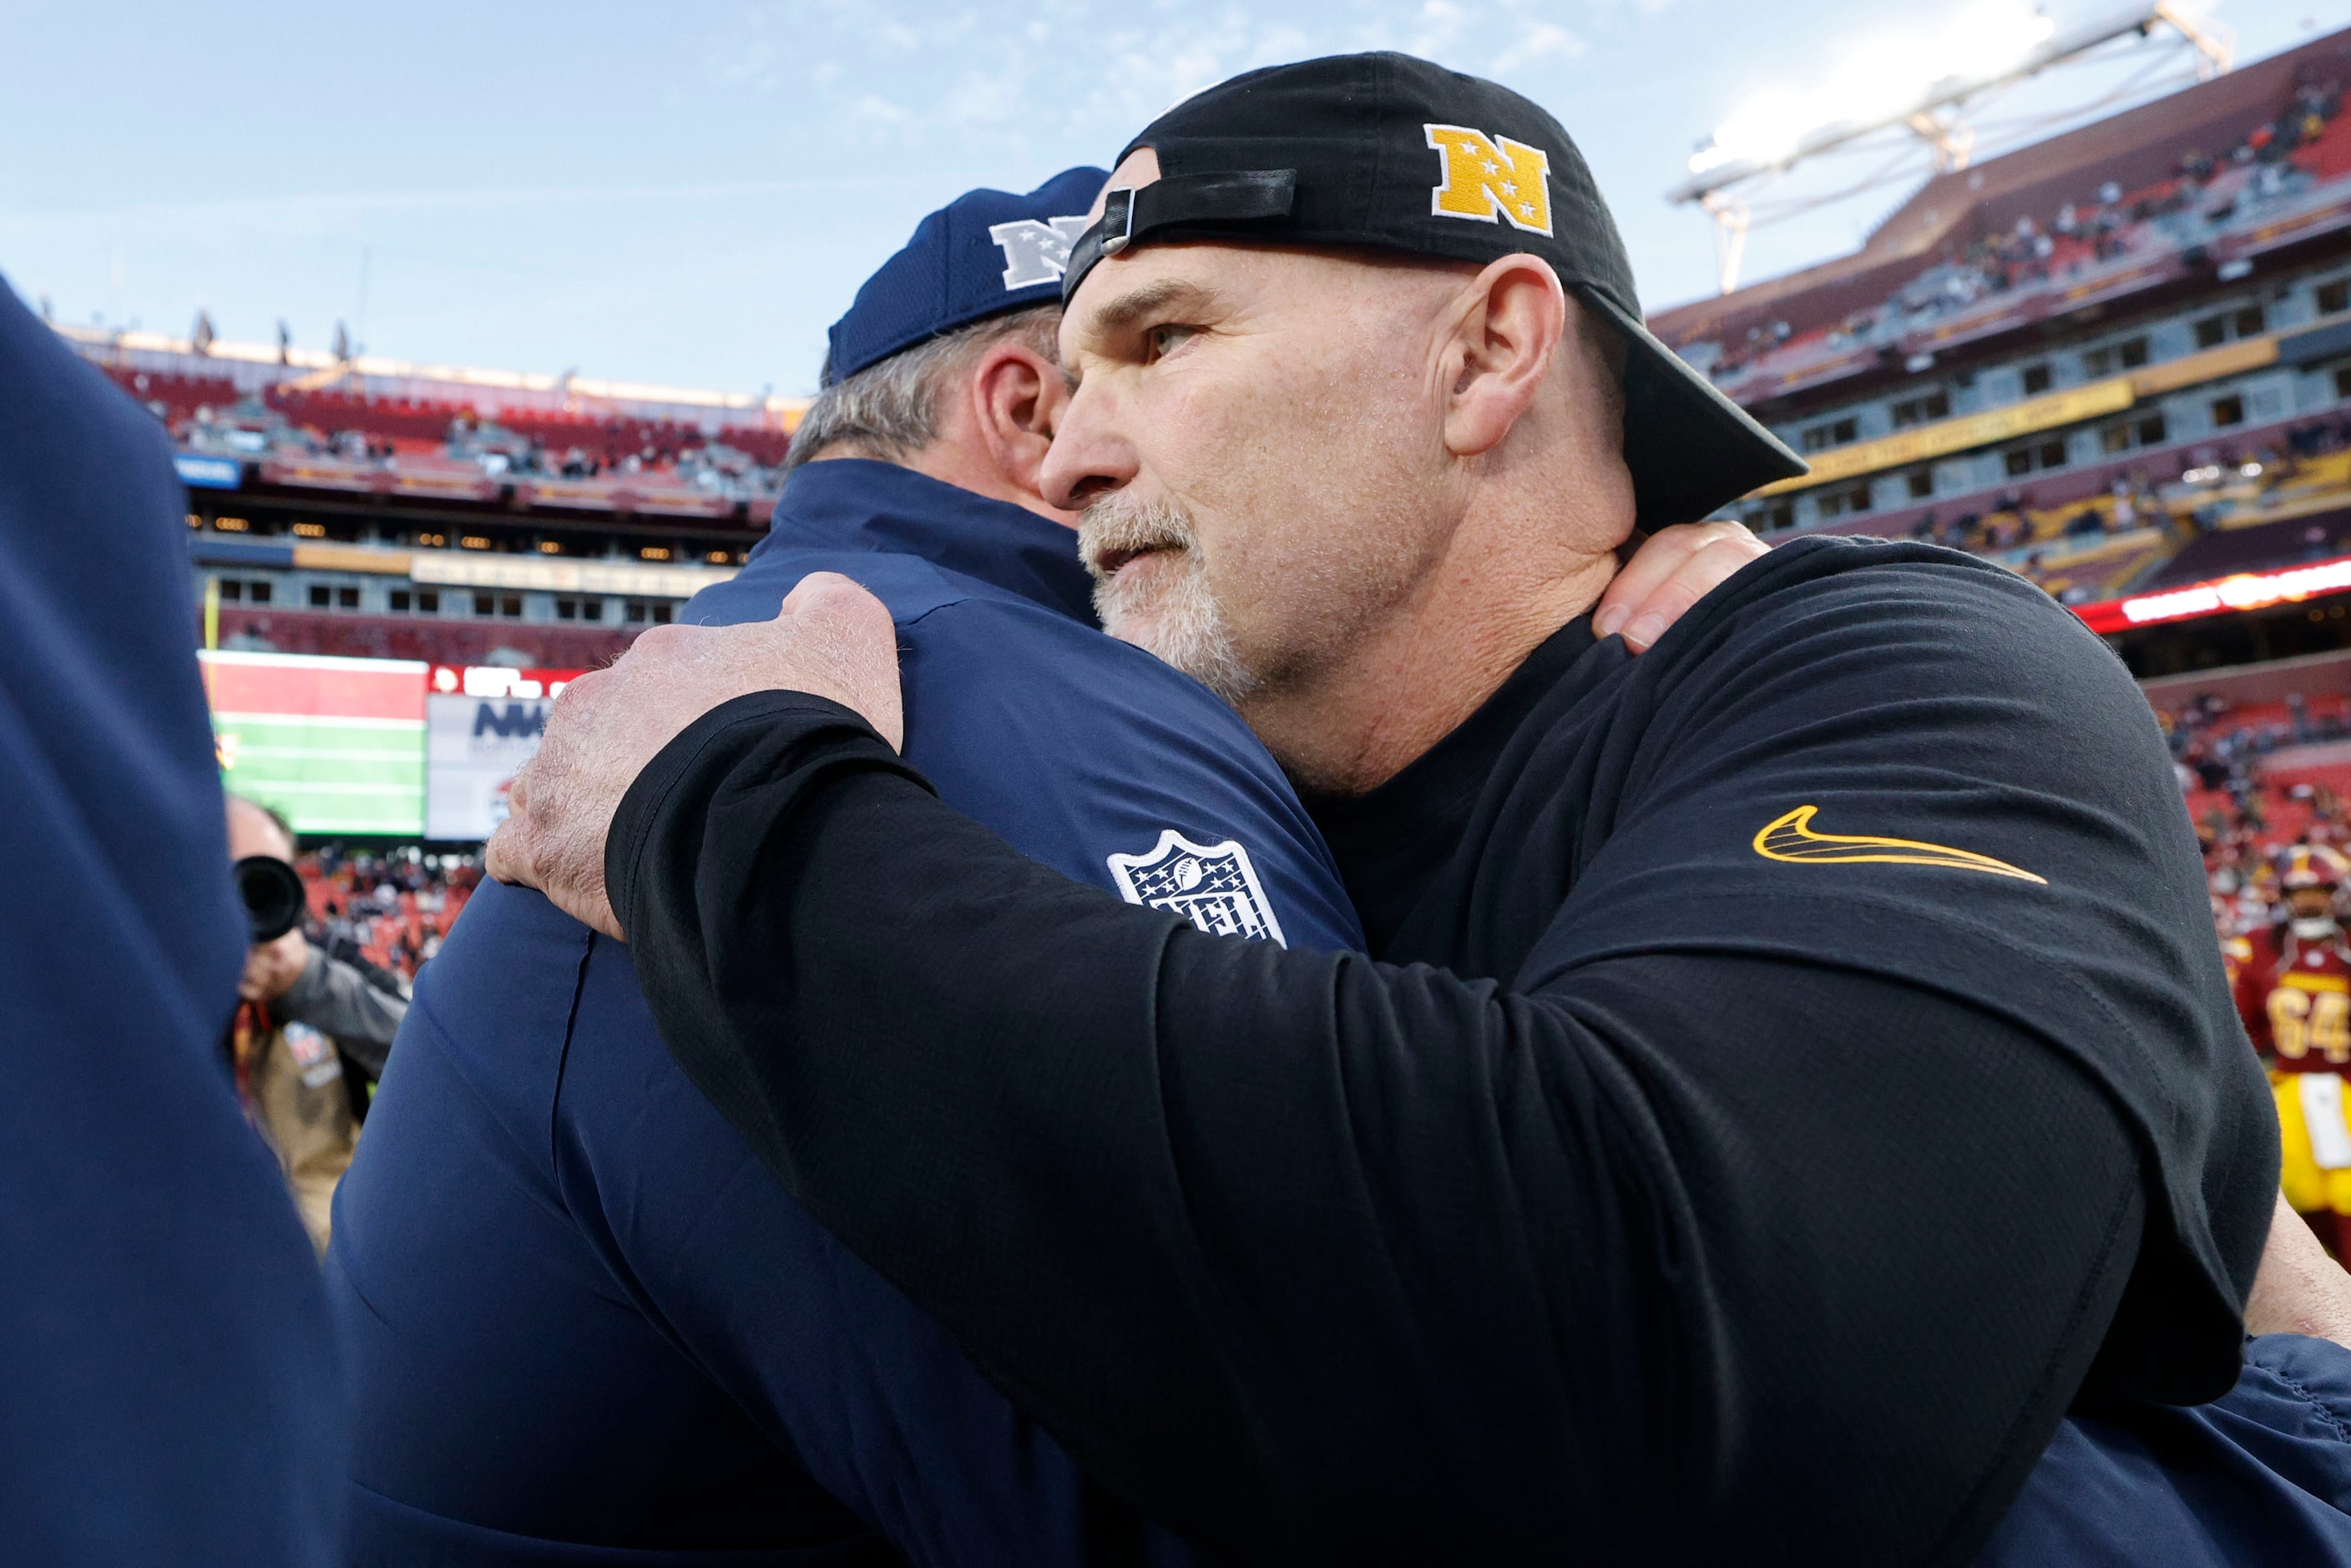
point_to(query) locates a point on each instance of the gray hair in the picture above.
(890, 410)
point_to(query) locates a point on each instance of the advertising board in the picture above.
(482, 723)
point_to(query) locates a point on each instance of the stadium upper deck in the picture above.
(2118, 360)
(369, 507)
(301, 419)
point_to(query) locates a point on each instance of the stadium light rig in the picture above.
(1916, 83)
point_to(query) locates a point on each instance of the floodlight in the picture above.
(1917, 82)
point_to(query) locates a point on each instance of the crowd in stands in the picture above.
(2221, 746)
(520, 447)
(2013, 523)
(390, 910)
(2306, 143)
(2252, 797)
(2097, 547)
(209, 415)
(522, 644)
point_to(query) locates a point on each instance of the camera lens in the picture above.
(273, 894)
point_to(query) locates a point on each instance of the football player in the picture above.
(2294, 991)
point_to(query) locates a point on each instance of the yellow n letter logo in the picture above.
(1490, 177)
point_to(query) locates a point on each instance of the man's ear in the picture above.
(1018, 396)
(1507, 329)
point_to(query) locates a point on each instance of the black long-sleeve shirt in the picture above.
(1741, 1147)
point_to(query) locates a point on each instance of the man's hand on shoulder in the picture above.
(832, 639)
(1672, 570)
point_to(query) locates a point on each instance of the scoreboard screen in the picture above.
(337, 744)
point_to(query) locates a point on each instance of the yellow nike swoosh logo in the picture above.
(1790, 838)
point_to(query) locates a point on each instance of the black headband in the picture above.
(1131, 213)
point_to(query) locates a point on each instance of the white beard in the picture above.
(1169, 610)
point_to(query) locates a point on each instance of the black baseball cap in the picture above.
(1391, 152)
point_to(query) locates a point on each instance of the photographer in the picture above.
(313, 1031)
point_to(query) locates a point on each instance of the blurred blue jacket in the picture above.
(168, 1390)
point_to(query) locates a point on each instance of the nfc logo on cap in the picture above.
(1490, 177)
(1037, 252)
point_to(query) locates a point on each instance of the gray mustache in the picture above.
(1115, 523)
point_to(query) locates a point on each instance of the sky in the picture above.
(689, 194)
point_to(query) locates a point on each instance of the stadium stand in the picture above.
(523, 645)
(372, 509)
(2118, 363)
(2092, 359)
(391, 909)
(2235, 166)
(326, 438)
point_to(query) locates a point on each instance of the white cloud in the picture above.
(984, 97)
(1439, 23)
(1006, 78)
(1544, 41)
(1285, 44)
(753, 64)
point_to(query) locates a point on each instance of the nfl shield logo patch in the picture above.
(1212, 886)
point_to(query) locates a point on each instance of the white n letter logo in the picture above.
(1485, 178)
(1037, 252)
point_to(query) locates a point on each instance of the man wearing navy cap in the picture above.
(1797, 1069)
(585, 1323)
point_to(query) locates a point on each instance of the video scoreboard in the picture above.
(376, 747)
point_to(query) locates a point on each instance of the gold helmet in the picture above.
(2312, 865)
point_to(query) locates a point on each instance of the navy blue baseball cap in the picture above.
(985, 252)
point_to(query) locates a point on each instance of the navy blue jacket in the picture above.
(168, 1387)
(2260, 1476)
(586, 1324)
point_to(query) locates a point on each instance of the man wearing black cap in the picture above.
(583, 1323)
(1854, 1086)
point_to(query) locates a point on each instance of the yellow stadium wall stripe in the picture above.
(2048, 412)
(351, 558)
